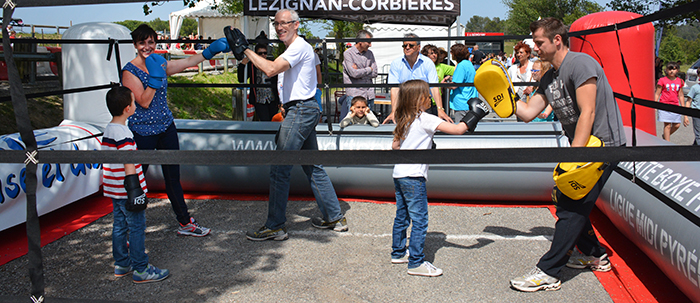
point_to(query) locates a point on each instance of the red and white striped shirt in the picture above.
(118, 137)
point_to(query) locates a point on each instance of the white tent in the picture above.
(212, 22)
(385, 52)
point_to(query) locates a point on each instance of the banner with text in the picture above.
(427, 12)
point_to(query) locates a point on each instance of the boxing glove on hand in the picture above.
(236, 41)
(157, 76)
(136, 200)
(494, 84)
(218, 46)
(477, 110)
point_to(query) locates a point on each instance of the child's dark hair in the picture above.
(358, 99)
(672, 65)
(118, 98)
(411, 94)
(143, 32)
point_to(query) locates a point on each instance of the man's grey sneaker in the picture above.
(192, 229)
(581, 261)
(120, 271)
(535, 280)
(401, 260)
(150, 274)
(338, 225)
(426, 269)
(265, 233)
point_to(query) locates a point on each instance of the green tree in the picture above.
(495, 25)
(189, 26)
(644, 7)
(673, 49)
(522, 12)
(476, 24)
(342, 29)
(130, 24)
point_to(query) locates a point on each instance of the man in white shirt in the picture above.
(298, 131)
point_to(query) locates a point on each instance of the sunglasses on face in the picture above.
(672, 68)
(262, 53)
(534, 70)
(408, 45)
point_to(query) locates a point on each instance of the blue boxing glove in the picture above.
(157, 76)
(218, 46)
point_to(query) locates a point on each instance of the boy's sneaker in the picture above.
(338, 225)
(535, 280)
(150, 274)
(401, 260)
(120, 271)
(265, 233)
(426, 269)
(192, 229)
(581, 261)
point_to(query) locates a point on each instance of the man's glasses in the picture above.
(672, 68)
(534, 70)
(275, 23)
(408, 45)
(262, 54)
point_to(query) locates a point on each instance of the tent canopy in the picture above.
(211, 22)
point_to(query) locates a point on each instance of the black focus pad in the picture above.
(237, 41)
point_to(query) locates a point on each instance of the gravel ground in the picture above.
(479, 248)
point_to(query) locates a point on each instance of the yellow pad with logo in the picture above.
(494, 84)
(576, 179)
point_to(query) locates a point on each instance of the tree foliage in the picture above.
(485, 24)
(189, 26)
(645, 7)
(522, 12)
(342, 29)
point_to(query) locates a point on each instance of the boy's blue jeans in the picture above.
(298, 131)
(411, 205)
(129, 226)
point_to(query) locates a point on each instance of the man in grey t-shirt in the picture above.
(582, 99)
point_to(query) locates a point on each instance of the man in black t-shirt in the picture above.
(477, 57)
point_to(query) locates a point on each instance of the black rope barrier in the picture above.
(366, 157)
(61, 92)
(19, 104)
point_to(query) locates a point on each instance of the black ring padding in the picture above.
(660, 196)
(683, 153)
(61, 92)
(662, 106)
(351, 132)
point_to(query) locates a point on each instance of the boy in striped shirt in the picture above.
(126, 185)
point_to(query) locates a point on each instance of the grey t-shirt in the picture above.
(559, 87)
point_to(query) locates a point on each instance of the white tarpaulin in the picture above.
(212, 22)
(58, 184)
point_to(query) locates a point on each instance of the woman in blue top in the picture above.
(464, 73)
(152, 123)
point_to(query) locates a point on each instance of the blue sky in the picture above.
(64, 15)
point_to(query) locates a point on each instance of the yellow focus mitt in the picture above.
(494, 84)
(576, 179)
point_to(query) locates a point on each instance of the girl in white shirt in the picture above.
(414, 130)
